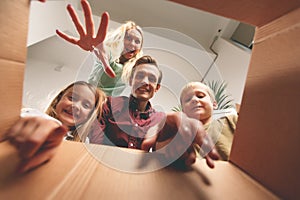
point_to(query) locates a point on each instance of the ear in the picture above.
(215, 105)
(157, 87)
(130, 81)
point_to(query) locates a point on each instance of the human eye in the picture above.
(152, 79)
(139, 76)
(70, 97)
(127, 37)
(137, 41)
(200, 95)
(187, 98)
(87, 106)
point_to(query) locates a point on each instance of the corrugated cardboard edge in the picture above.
(267, 138)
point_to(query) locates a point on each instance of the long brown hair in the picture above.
(80, 131)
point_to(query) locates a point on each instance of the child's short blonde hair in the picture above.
(195, 84)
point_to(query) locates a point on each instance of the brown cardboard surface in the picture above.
(266, 143)
(265, 146)
(75, 174)
(14, 24)
(42, 181)
(11, 86)
(257, 13)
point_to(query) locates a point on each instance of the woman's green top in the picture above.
(111, 86)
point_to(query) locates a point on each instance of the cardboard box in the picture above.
(264, 162)
(14, 22)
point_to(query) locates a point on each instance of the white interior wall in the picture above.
(233, 64)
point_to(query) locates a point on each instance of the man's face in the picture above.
(144, 81)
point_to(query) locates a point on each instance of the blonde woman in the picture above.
(116, 51)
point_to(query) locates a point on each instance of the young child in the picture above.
(198, 102)
(116, 51)
(78, 107)
(74, 110)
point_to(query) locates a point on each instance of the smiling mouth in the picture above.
(142, 89)
(197, 107)
(70, 113)
(131, 51)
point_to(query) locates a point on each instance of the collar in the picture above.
(133, 106)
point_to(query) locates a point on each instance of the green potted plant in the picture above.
(223, 99)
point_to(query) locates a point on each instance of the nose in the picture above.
(194, 99)
(145, 80)
(75, 107)
(132, 43)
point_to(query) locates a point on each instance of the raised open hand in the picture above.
(87, 41)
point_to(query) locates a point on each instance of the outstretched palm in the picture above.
(87, 41)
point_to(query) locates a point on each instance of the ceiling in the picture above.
(198, 25)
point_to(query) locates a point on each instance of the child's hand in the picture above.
(178, 137)
(36, 140)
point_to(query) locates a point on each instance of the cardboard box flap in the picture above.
(266, 143)
(74, 173)
(257, 13)
(281, 25)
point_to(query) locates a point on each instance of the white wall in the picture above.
(233, 64)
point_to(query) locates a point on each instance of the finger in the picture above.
(204, 141)
(102, 30)
(56, 138)
(40, 139)
(36, 161)
(148, 142)
(89, 23)
(29, 127)
(152, 135)
(107, 69)
(75, 20)
(19, 133)
(191, 158)
(66, 37)
(210, 162)
(14, 130)
(214, 154)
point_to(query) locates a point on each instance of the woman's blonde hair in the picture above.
(114, 43)
(80, 131)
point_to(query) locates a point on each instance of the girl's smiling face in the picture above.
(75, 106)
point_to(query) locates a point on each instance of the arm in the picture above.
(36, 139)
(178, 136)
(87, 41)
